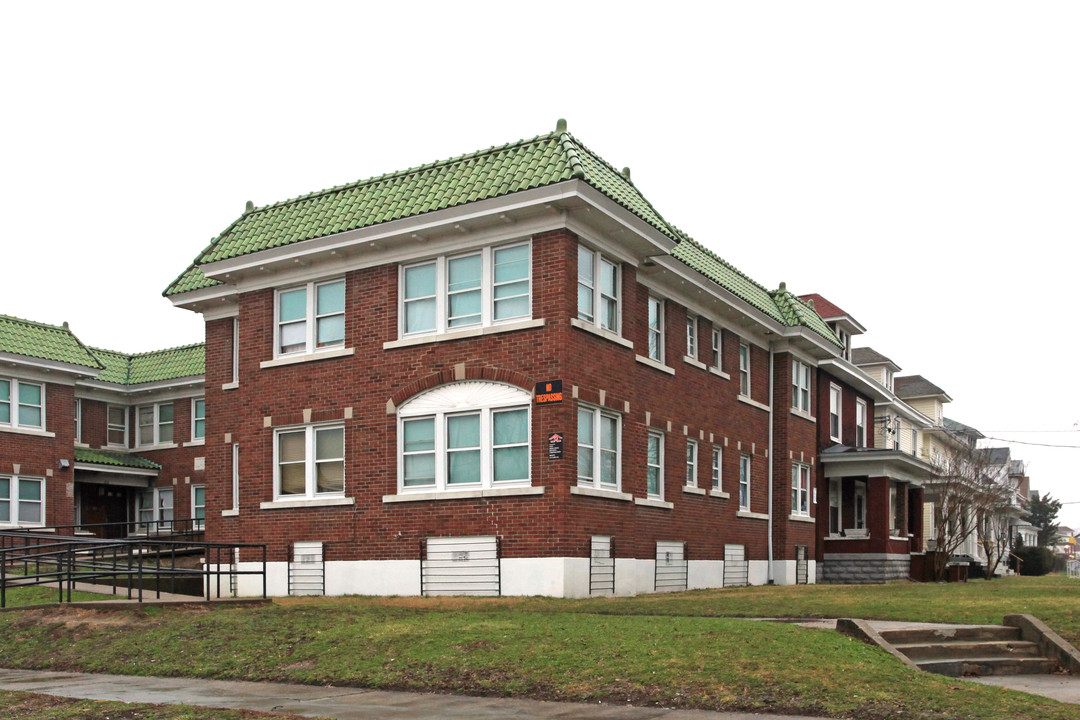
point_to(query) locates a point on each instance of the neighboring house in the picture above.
(1065, 543)
(509, 359)
(93, 437)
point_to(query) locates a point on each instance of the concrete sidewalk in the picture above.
(334, 702)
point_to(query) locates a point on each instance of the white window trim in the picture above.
(717, 340)
(599, 259)
(463, 398)
(692, 336)
(862, 409)
(235, 381)
(659, 495)
(310, 319)
(196, 524)
(745, 469)
(691, 463)
(746, 387)
(156, 440)
(597, 413)
(801, 398)
(109, 426)
(14, 404)
(658, 331)
(236, 477)
(13, 500)
(78, 421)
(800, 489)
(194, 418)
(310, 478)
(836, 404)
(155, 523)
(718, 469)
(487, 292)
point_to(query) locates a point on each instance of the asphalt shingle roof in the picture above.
(868, 356)
(912, 386)
(45, 342)
(106, 457)
(495, 172)
(156, 366)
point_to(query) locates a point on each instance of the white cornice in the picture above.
(191, 386)
(856, 378)
(45, 368)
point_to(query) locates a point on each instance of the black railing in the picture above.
(184, 527)
(34, 559)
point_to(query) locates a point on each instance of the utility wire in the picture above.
(1021, 442)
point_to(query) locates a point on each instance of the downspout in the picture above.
(772, 359)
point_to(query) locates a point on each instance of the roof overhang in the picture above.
(843, 370)
(847, 323)
(128, 476)
(177, 384)
(876, 463)
(47, 366)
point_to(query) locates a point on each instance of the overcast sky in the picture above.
(916, 163)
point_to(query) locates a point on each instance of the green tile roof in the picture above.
(156, 366)
(495, 172)
(798, 312)
(106, 457)
(45, 342)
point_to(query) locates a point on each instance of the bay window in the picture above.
(310, 318)
(481, 288)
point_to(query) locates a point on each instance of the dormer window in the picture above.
(844, 339)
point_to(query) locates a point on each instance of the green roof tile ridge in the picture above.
(800, 313)
(168, 349)
(569, 145)
(109, 457)
(720, 260)
(62, 329)
(129, 360)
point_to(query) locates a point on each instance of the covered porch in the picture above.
(875, 517)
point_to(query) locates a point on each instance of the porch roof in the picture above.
(843, 461)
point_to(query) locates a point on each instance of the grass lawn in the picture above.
(17, 597)
(675, 650)
(31, 706)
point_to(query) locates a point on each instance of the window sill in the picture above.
(230, 386)
(654, 503)
(28, 431)
(755, 403)
(655, 364)
(606, 334)
(159, 446)
(230, 513)
(307, 357)
(195, 443)
(463, 494)
(803, 414)
(719, 494)
(82, 445)
(719, 373)
(607, 494)
(693, 490)
(696, 363)
(306, 503)
(802, 518)
(462, 334)
(752, 515)
(35, 528)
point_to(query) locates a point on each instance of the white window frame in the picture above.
(656, 353)
(596, 482)
(156, 522)
(800, 489)
(14, 404)
(836, 403)
(311, 317)
(236, 476)
(485, 399)
(691, 463)
(744, 369)
(598, 262)
(860, 422)
(691, 336)
(845, 341)
(13, 500)
(195, 418)
(898, 428)
(310, 464)
(156, 426)
(110, 426)
(236, 349)
(442, 292)
(78, 420)
(744, 482)
(718, 468)
(196, 522)
(717, 349)
(658, 467)
(800, 386)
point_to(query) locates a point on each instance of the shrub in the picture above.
(1035, 560)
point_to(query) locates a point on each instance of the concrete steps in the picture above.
(968, 651)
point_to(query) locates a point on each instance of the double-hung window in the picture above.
(860, 422)
(654, 466)
(691, 336)
(836, 397)
(744, 482)
(198, 418)
(154, 510)
(691, 463)
(717, 463)
(309, 462)
(800, 489)
(598, 448)
(464, 436)
(310, 318)
(78, 420)
(22, 404)
(155, 424)
(744, 369)
(117, 425)
(800, 386)
(198, 506)
(656, 329)
(598, 289)
(717, 354)
(481, 288)
(22, 500)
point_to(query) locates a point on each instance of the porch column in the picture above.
(915, 518)
(877, 513)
